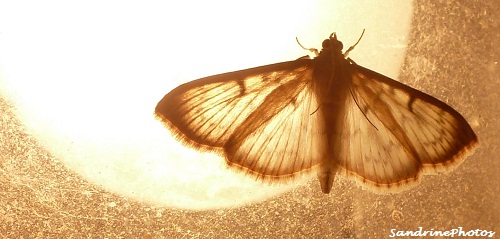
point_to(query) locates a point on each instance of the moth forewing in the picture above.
(204, 113)
(426, 135)
(326, 114)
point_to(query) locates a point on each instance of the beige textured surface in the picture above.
(456, 42)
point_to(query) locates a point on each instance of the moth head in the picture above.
(332, 43)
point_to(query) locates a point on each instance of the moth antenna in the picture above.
(352, 47)
(313, 50)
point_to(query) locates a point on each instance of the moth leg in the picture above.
(359, 107)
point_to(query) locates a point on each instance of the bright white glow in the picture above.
(85, 78)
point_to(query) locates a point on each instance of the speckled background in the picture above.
(40, 198)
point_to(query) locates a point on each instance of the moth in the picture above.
(326, 115)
